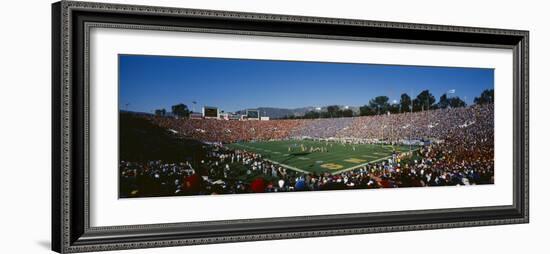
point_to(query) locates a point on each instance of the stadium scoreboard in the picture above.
(210, 112)
(253, 114)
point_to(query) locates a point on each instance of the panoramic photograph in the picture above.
(210, 126)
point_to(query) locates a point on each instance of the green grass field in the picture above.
(337, 158)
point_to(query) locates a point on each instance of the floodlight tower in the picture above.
(452, 91)
(411, 125)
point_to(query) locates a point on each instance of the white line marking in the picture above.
(287, 166)
(363, 164)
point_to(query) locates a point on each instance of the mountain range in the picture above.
(283, 112)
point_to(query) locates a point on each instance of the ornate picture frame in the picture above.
(71, 24)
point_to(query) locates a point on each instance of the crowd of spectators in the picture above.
(322, 127)
(432, 124)
(460, 152)
(236, 171)
(228, 131)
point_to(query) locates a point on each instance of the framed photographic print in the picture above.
(181, 126)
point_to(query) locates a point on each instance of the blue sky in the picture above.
(153, 82)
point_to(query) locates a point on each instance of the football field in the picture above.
(319, 156)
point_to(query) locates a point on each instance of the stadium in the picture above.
(208, 126)
(214, 152)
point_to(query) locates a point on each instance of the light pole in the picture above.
(391, 122)
(411, 125)
(410, 128)
(452, 91)
(428, 114)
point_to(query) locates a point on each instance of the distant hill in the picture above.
(271, 112)
(282, 112)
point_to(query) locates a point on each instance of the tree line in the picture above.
(376, 106)
(381, 105)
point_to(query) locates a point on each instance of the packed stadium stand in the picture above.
(458, 150)
(434, 124)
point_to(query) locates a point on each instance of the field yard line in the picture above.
(368, 156)
(287, 166)
(363, 164)
(319, 156)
